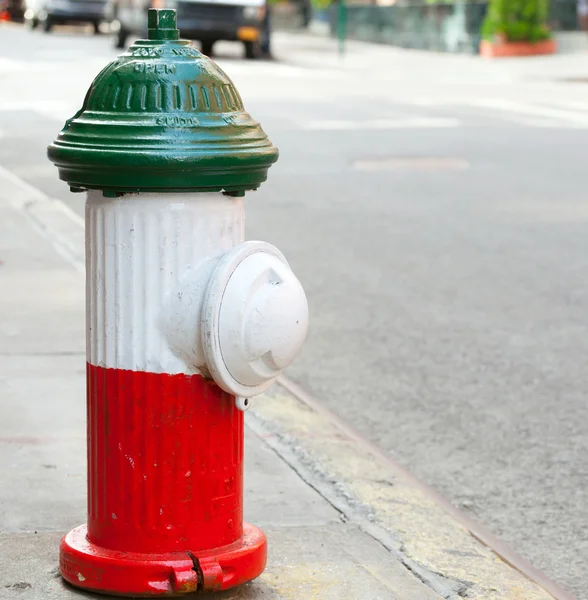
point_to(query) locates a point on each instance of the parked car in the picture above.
(12, 10)
(206, 21)
(58, 12)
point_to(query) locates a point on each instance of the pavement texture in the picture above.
(434, 208)
(340, 523)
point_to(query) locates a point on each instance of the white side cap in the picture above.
(254, 319)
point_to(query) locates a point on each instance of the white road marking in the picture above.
(11, 65)
(431, 163)
(266, 71)
(560, 114)
(573, 104)
(399, 123)
(541, 123)
(51, 63)
(525, 108)
(54, 109)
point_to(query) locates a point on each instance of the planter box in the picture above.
(503, 49)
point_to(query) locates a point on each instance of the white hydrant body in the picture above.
(162, 267)
(144, 313)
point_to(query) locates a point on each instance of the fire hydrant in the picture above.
(186, 322)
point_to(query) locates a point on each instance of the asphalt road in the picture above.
(435, 209)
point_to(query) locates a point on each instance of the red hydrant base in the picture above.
(91, 567)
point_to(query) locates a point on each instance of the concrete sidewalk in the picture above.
(341, 521)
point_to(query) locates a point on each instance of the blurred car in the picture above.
(58, 12)
(206, 21)
(11, 10)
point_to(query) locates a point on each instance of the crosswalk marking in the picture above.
(553, 113)
(280, 70)
(574, 105)
(55, 110)
(528, 109)
(562, 114)
(398, 123)
(431, 163)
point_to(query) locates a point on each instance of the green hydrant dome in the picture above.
(162, 117)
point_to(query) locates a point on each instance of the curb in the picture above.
(450, 553)
(476, 529)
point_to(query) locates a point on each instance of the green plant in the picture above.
(517, 20)
(321, 4)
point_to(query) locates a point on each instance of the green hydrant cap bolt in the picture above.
(162, 25)
(162, 117)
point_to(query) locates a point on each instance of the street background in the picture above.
(433, 207)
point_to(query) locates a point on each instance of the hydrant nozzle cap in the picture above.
(163, 117)
(254, 319)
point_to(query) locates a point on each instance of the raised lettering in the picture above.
(177, 121)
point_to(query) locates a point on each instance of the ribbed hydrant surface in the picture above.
(165, 462)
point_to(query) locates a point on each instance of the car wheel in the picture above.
(120, 40)
(47, 25)
(252, 50)
(206, 47)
